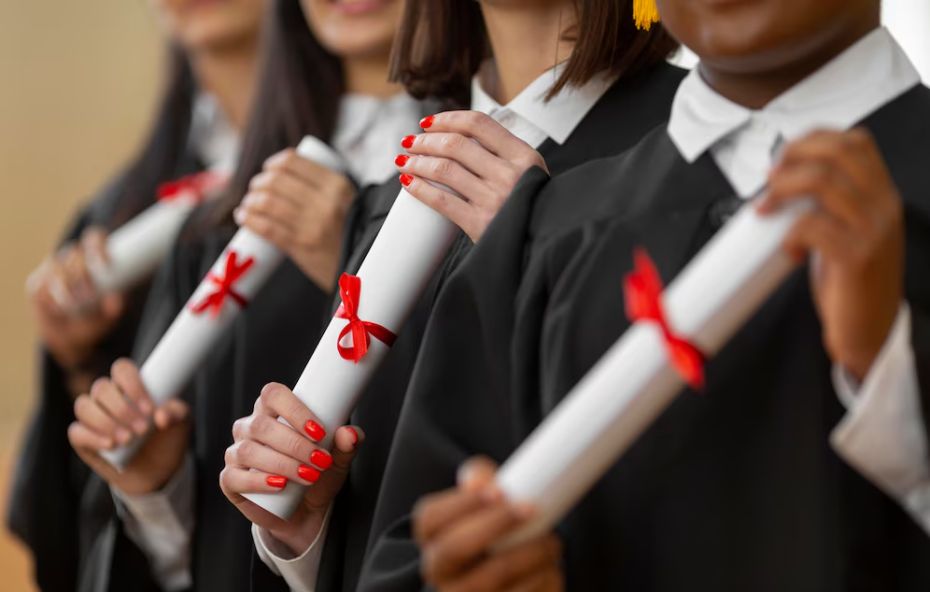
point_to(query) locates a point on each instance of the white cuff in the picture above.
(883, 435)
(161, 523)
(299, 572)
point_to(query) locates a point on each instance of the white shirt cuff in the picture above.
(299, 572)
(883, 435)
(161, 524)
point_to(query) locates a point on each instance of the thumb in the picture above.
(477, 474)
(171, 414)
(111, 305)
(346, 442)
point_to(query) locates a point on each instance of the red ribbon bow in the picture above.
(195, 186)
(224, 286)
(643, 291)
(350, 289)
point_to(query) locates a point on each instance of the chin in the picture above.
(217, 34)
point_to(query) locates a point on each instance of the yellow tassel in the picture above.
(645, 13)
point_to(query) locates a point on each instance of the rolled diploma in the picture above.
(189, 339)
(136, 248)
(410, 247)
(634, 382)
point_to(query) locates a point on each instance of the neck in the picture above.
(755, 87)
(368, 75)
(526, 41)
(229, 76)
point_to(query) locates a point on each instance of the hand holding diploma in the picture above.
(266, 454)
(831, 196)
(457, 529)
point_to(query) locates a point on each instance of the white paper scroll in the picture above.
(136, 248)
(410, 247)
(189, 339)
(634, 382)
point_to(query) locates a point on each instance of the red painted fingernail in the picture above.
(407, 142)
(322, 459)
(314, 430)
(426, 122)
(401, 160)
(308, 473)
(276, 481)
(406, 179)
(354, 435)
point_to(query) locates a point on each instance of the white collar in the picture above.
(869, 74)
(212, 138)
(557, 117)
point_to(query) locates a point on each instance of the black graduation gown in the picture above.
(640, 103)
(738, 488)
(49, 509)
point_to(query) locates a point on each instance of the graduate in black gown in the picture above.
(801, 465)
(629, 81)
(84, 332)
(324, 74)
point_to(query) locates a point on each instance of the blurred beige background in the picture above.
(78, 82)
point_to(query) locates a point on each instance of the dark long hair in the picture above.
(298, 94)
(161, 154)
(442, 43)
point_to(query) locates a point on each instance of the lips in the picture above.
(359, 7)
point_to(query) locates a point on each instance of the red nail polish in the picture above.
(308, 473)
(426, 122)
(314, 430)
(406, 179)
(322, 459)
(354, 435)
(407, 142)
(401, 160)
(276, 481)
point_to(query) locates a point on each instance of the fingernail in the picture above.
(314, 430)
(406, 180)
(322, 459)
(276, 481)
(308, 473)
(123, 435)
(407, 142)
(140, 426)
(354, 436)
(426, 122)
(401, 160)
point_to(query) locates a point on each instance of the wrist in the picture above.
(300, 536)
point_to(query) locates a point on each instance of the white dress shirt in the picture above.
(532, 119)
(882, 434)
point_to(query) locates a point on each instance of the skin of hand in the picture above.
(300, 207)
(474, 156)
(119, 409)
(267, 453)
(456, 530)
(73, 317)
(856, 231)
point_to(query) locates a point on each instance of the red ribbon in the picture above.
(195, 187)
(350, 289)
(643, 291)
(224, 286)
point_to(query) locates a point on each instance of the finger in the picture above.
(286, 186)
(284, 439)
(279, 401)
(292, 163)
(457, 147)
(457, 210)
(94, 244)
(445, 171)
(112, 306)
(832, 190)
(58, 288)
(489, 133)
(110, 397)
(81, 436)
(347, 440)
(468, 539)
(77, 278)
(515, 567)
(88, 411)
(125, 374)
(281, 235)
(253, 455)
(172, 413)
(272, 205)
(477, 474)
(853, 152)
(816, 231)
(434, 513)
(237, 481)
